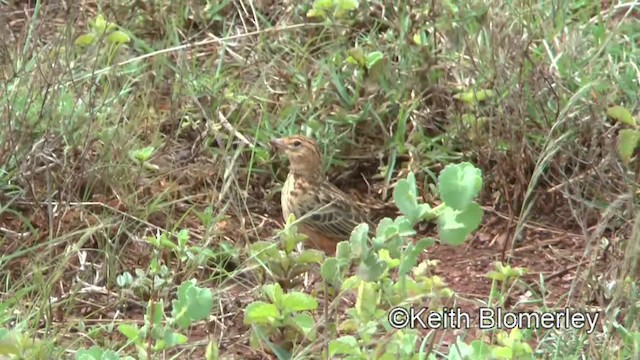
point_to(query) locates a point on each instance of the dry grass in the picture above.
(207, 88)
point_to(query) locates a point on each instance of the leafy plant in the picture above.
(280, 260)
(160, 332)
(332, 8)
(628, 138)
(99, 28)
(283, 320)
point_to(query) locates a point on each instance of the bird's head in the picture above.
(303, 153)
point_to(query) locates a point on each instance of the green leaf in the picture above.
(274, 293)
(99, 24)
(367, 301)
(621, 114)
(260, 312)
(96, 353)
(345, 345)
(343, 251)
(373, 58)
(193, 304)
(473, 97)
(454, 225)
(460, 350)
(359, 240)
(481, 350)
(309, 256)
(502, 352)
(142, 155)
(330, 271)
(172, 338)
(357, 57)
(155, 311)
(264, 251)
(371, 267)
(118, 37)
(85, 40)
(411, 255)
(306, 324)
(9, 342)
(213, 351)
(459, 184)
(627, 144)
(298, 301)
(405, 199)
(130, 331)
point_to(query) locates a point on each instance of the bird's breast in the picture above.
(285, 197)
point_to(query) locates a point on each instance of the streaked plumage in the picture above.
(329, 214)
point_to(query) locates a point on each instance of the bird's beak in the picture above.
(277, 144)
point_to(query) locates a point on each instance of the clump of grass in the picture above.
(123, 123)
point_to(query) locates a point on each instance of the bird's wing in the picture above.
(329, 211)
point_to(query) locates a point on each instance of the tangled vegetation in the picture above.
(139, 199)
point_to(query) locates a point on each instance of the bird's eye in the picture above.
(297, 143)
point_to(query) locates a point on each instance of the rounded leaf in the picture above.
(85, 40)
(260, 312)
(298, 301)
(459, 184)
(627, 144)
(621, 114)
(346, 345)
(454, 225)
(118, 37)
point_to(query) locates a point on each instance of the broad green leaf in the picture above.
(345, 345)
(481, 350)
(454, 225)
(344, 6)
(392, 263)
(502, 352)
(460, 350)
(405, 200)
(99, 24)
(298, 301)
(96, 353)
(274, 292)
(373, 58)
(309, 256)
(193, 304)
(343, 251)
(371, 268)
(357, 57)
(260, 312)
(155, 311)
(172, 338)
(306, 324)
(264, 250)
(9, 342)
(85, 40)
(366, 301)
(627, 144)
(130, 331)
(118, 37)
(411, 255)
(329, 270)
(351, 283)
(386, 228)
(359, 240)
(459, 184)
(621, 114)
(472, 96)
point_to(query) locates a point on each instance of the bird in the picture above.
(328, 215)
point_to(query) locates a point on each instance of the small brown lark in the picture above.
(331, 214)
